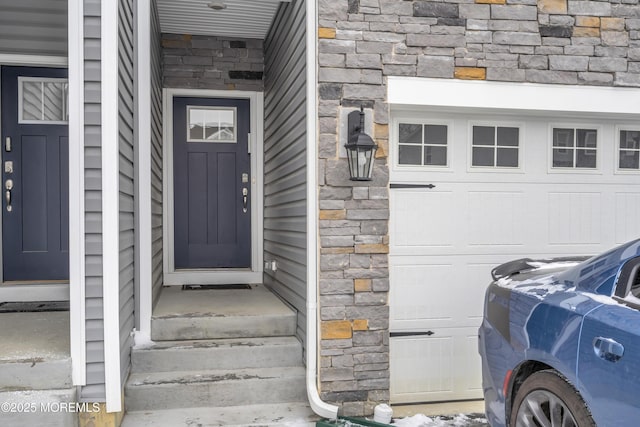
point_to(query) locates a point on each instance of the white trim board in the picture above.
(110, 204)
(452, 93)
(43, 60)
(76, 294)
(172, 276)
(44, 292)
(144, 300)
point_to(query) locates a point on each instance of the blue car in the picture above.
(560, 341)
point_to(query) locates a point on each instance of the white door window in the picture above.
(43, 100)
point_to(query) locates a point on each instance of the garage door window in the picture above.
(575, 148)
(422, 144)
(495, 146)
(629, 150)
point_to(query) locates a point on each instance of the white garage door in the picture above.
(470, 191)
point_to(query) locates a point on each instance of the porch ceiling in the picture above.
(241, 18)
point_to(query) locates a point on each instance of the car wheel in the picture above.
(547, 399)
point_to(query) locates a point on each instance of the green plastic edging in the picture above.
(350, 422)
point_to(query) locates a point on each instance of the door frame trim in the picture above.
(172, 276)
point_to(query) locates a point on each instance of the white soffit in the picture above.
(242, 18)
(534, 97)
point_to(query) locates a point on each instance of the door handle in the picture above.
(608, 349)
(8, 185)
(245, 199)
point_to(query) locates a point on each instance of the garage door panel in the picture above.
(627, 216)
(422, 294)
(575, 218)
(436, 368)
(408, 357)
(494, 218)
(417, 302)
(468, 359)
(421, 218)
(477, 276)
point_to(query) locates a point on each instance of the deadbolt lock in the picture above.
(8, 166)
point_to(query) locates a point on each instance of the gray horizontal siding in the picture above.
(156, 152)
(33, 27)
(285, 169)
(95, 388)
(126, 180)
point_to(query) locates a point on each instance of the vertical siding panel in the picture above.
(156, 151)
(285, 157)
(34, 27)
(94, 389)
(126, 180)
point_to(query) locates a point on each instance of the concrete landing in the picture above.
(35, 351)
(275, 415)
(224, 313)
(34, 335)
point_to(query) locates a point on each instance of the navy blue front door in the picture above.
(212, 183)
(35, 198)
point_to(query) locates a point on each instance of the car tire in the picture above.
(546, 398)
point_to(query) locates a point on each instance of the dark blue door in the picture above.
(35, 207)
(212, 183)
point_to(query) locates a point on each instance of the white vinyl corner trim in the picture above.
(76, 194)
(144, 221)
(110, 204)
(318, 406)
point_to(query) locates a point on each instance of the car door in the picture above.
(609, 353)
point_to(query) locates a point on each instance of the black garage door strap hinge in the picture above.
(412, 186)
(410, 334)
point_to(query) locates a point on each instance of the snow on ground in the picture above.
(461, 420)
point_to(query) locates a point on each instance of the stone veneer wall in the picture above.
(207, 62)
(363, 41)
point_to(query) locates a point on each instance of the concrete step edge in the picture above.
(296, 414)
(154, 379)
(220, 343)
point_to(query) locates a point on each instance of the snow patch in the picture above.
(540, 287)
(421, 420)
(542, 265)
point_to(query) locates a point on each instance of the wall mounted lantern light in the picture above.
(361, 150)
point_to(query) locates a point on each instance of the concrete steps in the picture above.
(219, 357)
(219, 388)
(271, 415)
(169, 356)
(42, 408)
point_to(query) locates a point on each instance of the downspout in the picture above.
(318, 406)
